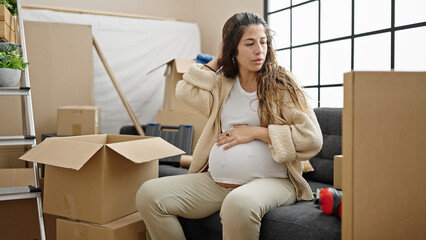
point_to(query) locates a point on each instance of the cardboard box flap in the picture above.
(93, 138)
(62, 153)
(182, 65)
(145, 150)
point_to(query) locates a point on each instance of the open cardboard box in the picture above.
(94, 178)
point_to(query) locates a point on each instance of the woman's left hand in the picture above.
(237, 135)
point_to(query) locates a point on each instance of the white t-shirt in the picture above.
(242, 162)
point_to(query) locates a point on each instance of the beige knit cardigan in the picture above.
(301, 139)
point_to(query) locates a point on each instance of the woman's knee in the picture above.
(240, 207)
(146, 195)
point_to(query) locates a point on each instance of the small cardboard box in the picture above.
(7, 25)
(178, 117)
(16, 215)
(130, 227)
(338, 164)
(78, 120)
(94, 178)
(174, 73)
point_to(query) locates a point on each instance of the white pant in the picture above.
(196, 196)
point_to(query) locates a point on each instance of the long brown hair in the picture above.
(271, 77)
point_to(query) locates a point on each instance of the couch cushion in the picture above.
(324, 169)
(330, 121)
(302, 220)
(169, 170)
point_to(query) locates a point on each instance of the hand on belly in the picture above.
(238, 135)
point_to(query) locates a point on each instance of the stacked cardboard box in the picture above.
(17, 215)
(175, 113)
(91, 181)
(130, 227)
(7, 25)
(19, 218)
(78, 120)
(54, 81)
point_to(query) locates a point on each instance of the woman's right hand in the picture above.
(242, 133)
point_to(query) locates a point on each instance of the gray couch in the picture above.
(303, 220)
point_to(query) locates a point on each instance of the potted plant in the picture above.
(11, 64)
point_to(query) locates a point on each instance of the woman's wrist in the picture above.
(206, 66)
(212, 65)
(262, 134)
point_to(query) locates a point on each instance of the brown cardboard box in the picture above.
(9, 156)
(177, 117)
(7, 25)
(383, 136)
(337, 178)
(16, 177)
(94, 178)
(22, 214)
(78, 120)
(50, 226)
(16, 215)
(174, 73)
(6, 33)
(61, 65)
(130, 227)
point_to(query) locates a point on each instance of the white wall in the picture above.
(209, 15)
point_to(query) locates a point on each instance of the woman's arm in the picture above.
(300, 140)
(195, 90)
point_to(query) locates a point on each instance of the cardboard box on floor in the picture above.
(78, 120)
(383, 136)
(50, 226)
(177, 117)
(174, 73)
(16, 215)
(130, 227)
(94, 178)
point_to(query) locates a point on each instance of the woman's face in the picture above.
(252, 48)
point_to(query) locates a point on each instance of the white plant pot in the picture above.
(9, 77)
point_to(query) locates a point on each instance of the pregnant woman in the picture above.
(248, 159)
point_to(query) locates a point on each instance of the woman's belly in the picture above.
(244, 162)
